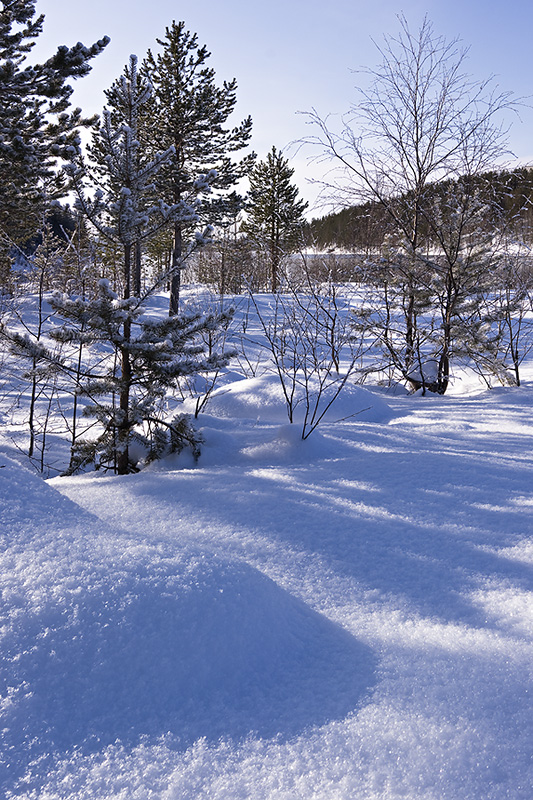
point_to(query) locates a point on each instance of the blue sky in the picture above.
(291, 56)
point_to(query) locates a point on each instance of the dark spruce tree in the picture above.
(36, 124)
(189, 113)
(274, 214)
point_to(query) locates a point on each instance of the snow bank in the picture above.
(344, 617)
(262, 398)
(416, 538)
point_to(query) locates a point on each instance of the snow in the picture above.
(348, 617)
(262, 398)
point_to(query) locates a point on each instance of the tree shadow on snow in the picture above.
(397, 512)
(218, 650)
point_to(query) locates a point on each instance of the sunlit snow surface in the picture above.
(348, 617)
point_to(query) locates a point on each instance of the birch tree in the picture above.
(420, 121)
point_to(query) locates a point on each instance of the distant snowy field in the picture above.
(348, 617)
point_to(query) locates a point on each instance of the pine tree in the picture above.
(126, 390)
(275, 215)
(147, 357)
(123, 208)
(188, 112)
(36, 125)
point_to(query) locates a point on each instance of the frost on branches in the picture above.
(126, 389)
(124, 207)
(145, 357)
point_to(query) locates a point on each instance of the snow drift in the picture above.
(261, 398)
(106, 637)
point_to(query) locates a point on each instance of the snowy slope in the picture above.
(349, 616)
(109, 637)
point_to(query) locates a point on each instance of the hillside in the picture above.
(362, 227)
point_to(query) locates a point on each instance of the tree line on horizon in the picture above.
(362, 228)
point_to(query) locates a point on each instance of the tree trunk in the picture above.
(127, 270)
(443, 377)
(451, 300)
(137, 270)
(410, 332)
(175, 280)
(123, 428)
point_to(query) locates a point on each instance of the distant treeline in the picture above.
(508, 196)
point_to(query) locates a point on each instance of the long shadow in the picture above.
(408, 517)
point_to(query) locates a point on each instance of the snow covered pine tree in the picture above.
(35, 123)
(146, 356)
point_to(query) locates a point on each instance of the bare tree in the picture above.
(422, 122)
(313, 349)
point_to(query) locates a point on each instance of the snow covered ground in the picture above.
(348, 617)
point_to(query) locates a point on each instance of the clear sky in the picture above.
(289, 56)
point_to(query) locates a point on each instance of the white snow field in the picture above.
(348, 617)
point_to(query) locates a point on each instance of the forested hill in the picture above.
(509, 196)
